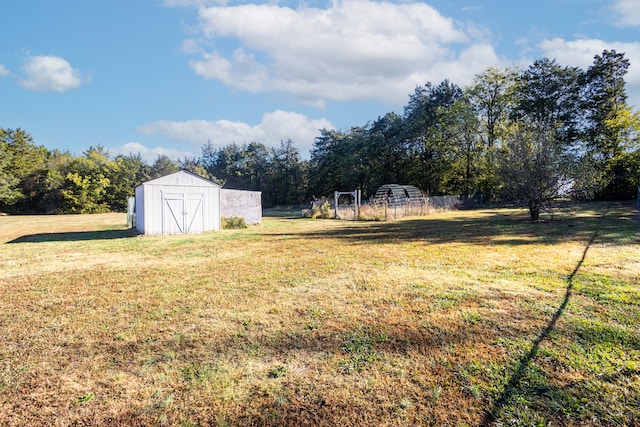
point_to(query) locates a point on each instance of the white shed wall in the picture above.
(140, 209)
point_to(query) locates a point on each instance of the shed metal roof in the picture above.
(182, 177)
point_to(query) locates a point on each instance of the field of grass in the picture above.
(455, 319)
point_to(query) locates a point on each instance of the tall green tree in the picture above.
(125, 173)
(58, 164)
(388, 152)
(162, 166)
(194, 165)
(226, 163)
(9, 193)
(288, 177)
(622, 171)
(611, 127)
(256, 164)
(548, 94)
(492, 95)
(540, 153)
(86, 185)
(28, 166)
(604, 96)
(330, 160)
(428, 134)
(467, 171)
(243, 166)
(360, 161)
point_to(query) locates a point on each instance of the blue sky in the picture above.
(166, 76)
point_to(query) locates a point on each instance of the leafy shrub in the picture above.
(314, 212)
(235, 222)
(325, 210)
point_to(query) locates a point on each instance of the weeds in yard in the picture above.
(315, 317)
(436, 391)
(471, 317)
(322, 211)
(360, 345)
(196, 373)
(278, 371)
(233, 223)
(406, 404)
(85, 398)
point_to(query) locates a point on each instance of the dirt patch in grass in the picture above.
(424, 321)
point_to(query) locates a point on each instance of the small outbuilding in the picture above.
(181, 202)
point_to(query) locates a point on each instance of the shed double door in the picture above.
(182, 213)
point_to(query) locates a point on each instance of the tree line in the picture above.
(34, 179)
(519, 135)
(524, 135)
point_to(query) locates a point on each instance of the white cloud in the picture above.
(354, 50)
(626, 13)
(150, 155)
(275, 127)
(581, 53)
(51, 73)
(469, 62)
(3, 71)
(190, 47)
(282, 125)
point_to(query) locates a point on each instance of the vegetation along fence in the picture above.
(387, 209)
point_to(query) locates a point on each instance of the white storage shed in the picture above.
(181, 202)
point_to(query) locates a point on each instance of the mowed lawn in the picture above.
(462, 318)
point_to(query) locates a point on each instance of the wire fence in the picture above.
(391, 209)
(386, 208)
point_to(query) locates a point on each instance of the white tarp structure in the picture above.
(178, 203)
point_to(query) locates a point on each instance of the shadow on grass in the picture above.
(493, 413)
(291, 212)
(499, 227)
(74, 236)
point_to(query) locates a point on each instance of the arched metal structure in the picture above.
(395, 194)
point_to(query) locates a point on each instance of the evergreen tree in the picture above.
(125, 173)
(9, 193)
(163, 166)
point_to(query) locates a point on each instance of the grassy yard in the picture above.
(461, 318)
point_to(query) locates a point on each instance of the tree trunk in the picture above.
(534, 211)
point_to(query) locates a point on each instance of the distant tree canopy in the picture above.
(519, 135)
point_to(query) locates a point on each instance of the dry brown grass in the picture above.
(423, 321)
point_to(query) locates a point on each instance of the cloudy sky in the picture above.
(166, 76)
